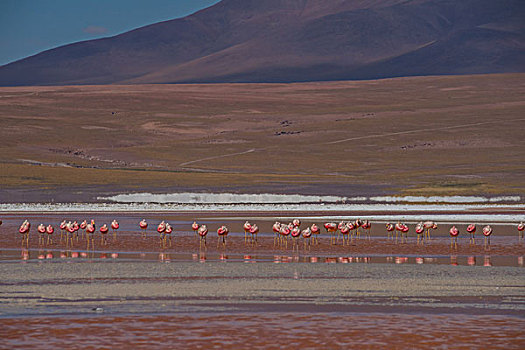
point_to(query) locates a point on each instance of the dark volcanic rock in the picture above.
(295, 40)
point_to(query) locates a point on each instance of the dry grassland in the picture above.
(423, 135)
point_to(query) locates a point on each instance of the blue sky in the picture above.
(28, 27)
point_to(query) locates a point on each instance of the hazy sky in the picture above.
(28, 27)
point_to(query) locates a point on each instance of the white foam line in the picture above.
(220, 198)
(269, 198)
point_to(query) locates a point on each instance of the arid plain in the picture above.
(442, 135)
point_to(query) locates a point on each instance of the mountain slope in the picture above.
(295, 40)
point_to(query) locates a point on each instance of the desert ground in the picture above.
(422, 135)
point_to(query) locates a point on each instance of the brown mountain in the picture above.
(295, 40)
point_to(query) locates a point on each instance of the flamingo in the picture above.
(202, 231)
(307, 234)
(103, 231)
(115, 226)
(90, 230)
(454, 232)
(404, 234)
(167, 234)
(195, 227)
(49, 230)
(357, 224)
(331, 228)
(254, 230)
(420, 228)
(295, 233)
(42, 231)
(399, 229)
(471, 229)
(70, 228)
(296, 222)
(345, 230)
(62, 229)
(83, 226)
(222, 233)
(340, 226)
(161, 228)
(390, 230)
(521, 228)
(143, 226)
(315, 232)
(367, 225)
(75, 229)
(276, 227)
(428, 226)
(247, 226)
(284, 232)
(351, 227)
(487, 231)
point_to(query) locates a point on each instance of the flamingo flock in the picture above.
(345, 231)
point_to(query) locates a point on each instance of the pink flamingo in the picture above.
(295, 233)
(296, 222)
(70, 229)
(487, 231)
(167, 234)
(404, 234)
(340, 226)
(49, 231)
(351, 227)
(76, 227)
(345, 230)
(195, 227)
(521, 228)
(357, 225)
(471, 229)
(254, 230)
(62, 229)
(42, 232)
(103, 231)
(367, 225)
(390, 230)
(276, 227)
(331, 228)
(315, 233)
(114, 227)
(284, 232)
(90, 230)
(143, 226)
(428, 226)
(161, 228)
(83, 226)
(454, 232)
(203, 231)
(307, 234)
(222, 232)
(420, 228)
(247, 226)
(399, 229)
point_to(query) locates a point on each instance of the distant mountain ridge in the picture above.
(294, 40)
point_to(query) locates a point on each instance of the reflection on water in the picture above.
(202, 257)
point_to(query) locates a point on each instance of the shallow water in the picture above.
(188, 298)
(121, 302)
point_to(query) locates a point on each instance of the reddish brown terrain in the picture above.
(427, 136)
